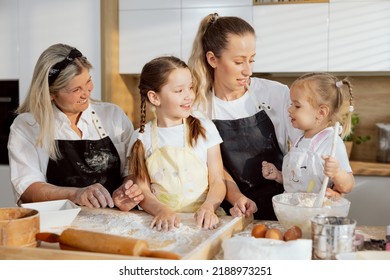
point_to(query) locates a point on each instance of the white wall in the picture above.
(46, 22)
(370, 201)
(33, 25)
(6, 193)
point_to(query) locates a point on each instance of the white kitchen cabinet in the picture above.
(359, 36)
(42, 23)
(215, 3)
(9, 40)
(146, 34)
(148, 4)
(147, 29)
(291, 37)
(370, 200)
(166, 27)
(7, 198)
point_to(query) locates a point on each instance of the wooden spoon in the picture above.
(321, 195)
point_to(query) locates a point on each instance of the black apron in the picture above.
(86, 162)
(246, 143)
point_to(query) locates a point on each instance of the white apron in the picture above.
(303, 168)
(179, 178)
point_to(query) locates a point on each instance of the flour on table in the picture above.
(136, 224)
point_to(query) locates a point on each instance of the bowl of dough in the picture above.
(296, 209)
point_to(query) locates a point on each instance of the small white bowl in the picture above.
(55, 213)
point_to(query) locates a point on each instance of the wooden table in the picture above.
(187, 241)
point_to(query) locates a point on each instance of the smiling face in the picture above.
(174, 101)
(233, 69)
(74, 98)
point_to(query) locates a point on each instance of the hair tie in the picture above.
(140, 136)
(214, 18)
(351, 108)
(339, 84)
(59, 66)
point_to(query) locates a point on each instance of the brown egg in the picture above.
(259, 230)
(293, 233)
(274, 233)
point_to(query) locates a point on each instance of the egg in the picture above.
(293, 233)
(259, 230)
(274, 233)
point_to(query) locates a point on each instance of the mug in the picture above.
(332, 235)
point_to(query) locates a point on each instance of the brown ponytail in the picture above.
(212, 35)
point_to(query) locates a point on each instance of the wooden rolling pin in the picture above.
(82, 240)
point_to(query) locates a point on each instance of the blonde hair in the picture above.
(326, 89)
(212, 36)
(154, 76)
(38, 101)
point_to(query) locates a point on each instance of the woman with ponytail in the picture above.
(176, 158)
(249, 113)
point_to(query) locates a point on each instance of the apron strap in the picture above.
(319, 138)
(259, 105)
(155, 144)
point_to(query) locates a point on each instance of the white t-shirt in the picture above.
(273, 96)
(28, 162)
(174, 136)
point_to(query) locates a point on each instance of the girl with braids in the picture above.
(317, 103)
(249, 113)
(176, 158)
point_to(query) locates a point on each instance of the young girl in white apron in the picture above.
(317, 103)
(176, 158)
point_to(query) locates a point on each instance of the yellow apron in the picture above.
(179, 178)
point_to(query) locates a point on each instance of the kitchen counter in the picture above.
(370, 168)
(187, 241)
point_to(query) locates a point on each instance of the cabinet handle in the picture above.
(5, 99)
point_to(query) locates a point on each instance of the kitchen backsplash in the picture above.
(371, 99)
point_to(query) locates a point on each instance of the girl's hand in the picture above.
(243, 207)
(331, 166)
(127, 196)
(206, 218)
(166, 220)
(269, 170)
(332, 193)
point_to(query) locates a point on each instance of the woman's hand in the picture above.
(165, 220)
(206, 218)
(93, 196)
(127, 196)
(243, 207)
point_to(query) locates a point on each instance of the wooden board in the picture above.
(370, 168)
(187, 241)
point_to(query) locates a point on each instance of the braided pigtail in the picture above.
(347, 121)
(137, 159)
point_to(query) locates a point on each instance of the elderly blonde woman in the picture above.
(63, 145)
